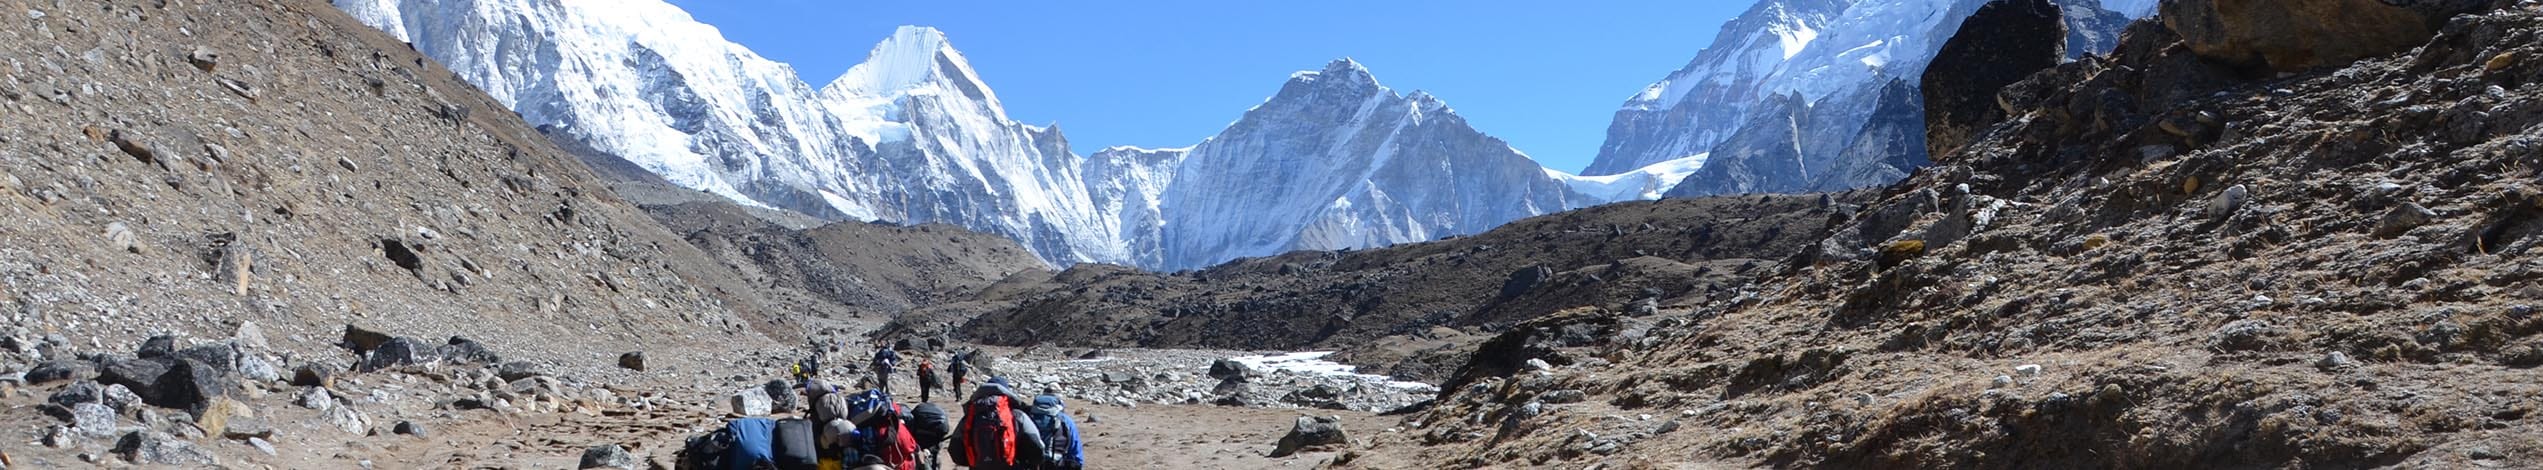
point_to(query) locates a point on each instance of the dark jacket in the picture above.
(1029, 448)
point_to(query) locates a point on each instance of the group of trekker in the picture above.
(1000, 428)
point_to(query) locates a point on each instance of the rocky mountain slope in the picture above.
(1411, 310)
(1790, 96)
(2153, 261)
(913, 135)
(188, 167)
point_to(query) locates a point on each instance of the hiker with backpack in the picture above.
(997, 432)
(960, 366)
(884, 359)
(926, 380)
(1059, 434)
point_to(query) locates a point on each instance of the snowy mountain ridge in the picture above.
(1784, 97)
(913, 134)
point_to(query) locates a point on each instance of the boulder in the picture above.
(607, 456)
(2004, 42)
(160, 449)
(250, 336)
(634, 361)
(314, 374)
(52, 372)
(362, 340)
(189, 385)
(140, 375)
(93, 420)
(77, 393)
(467, 351)
(751, 402)
(1312, 433)
(409, 428)
(517, 370)
(222, 355)
(1524, 280)
(396, 352)
(1228, 369)
(256, 367)
(351, 421)
(156, 346)
(2296, 35)
(781, 396)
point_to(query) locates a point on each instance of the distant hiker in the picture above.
(1059, 434)
(927, 381)
(994, 434)
(961, 366)
(884, 359)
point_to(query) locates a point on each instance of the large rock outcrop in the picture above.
(2291, 35)
(2004, 42)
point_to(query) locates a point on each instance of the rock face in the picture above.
(1311, 433)
(2292, 35)
(1791, 95)
(2004, 42)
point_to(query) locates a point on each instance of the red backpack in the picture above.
(988, 427)
(895, 444)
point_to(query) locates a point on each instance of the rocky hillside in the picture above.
(845, 270)
(1416, 307)
(186, 167)
(2154, 261)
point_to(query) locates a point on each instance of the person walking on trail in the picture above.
(960, 366)
(884, 359)
(996, 432)
(1059, 434)
(926, 380)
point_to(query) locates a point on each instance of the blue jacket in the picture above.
(1060, 430)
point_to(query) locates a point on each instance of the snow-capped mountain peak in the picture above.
(914, 60)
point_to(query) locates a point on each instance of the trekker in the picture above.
(995, 434)
(960, 366)
(884, 359)
(926, 380)
(1059, 434)
(887, 437)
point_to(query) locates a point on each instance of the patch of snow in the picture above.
(1313, 363)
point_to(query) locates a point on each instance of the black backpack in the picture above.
(796, 447)
(929, 425)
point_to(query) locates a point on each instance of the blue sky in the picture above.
(1545, 76)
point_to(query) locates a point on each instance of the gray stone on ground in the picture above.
(632, 361)
(93, 420)
(52, 372)
(607, 456)
(751, 402)
(160, 449)
(409, 428)
(1312, 432)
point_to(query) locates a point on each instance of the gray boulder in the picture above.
(1312, 433)
(189, 385)
(160, 449)
(396, 352)
(751, 402)
(52, 372)
(467, 351)
(93, 420)
(607, 456)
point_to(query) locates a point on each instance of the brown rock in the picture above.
(2004, 42)
(2293, 35)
